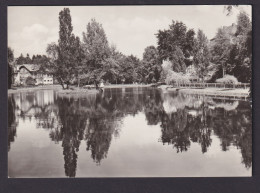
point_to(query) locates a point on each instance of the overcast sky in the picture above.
(130, 28)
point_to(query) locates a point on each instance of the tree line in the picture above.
(93, 59)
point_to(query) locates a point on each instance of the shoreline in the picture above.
(26, 89)
(127, 85)
(74, 89)
(209, 91)
(165, 88)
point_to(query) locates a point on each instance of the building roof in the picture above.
(29, 67)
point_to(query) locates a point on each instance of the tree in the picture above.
(24, 60)
(244, 24)
(220, 50)
(10, 54)
(243, 59)
(10, 59)
(229, 9)
(176, 44)
(169, 76)
(96, 50)
(110, 70)
(39, 59)
(128, 69)
(78, 56)
(152, 63)
(62, 55)
(166, 69)
(232, 51)
(28, 59)
(43, 62)
(21, 60)
(201, 55)
(65, 54)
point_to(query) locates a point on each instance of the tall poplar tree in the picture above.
(65, 67)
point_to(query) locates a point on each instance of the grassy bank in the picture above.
(26, 89)
(73, 89)
(77, 91)
(57, 88)
(126, 85)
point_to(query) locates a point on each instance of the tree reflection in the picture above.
(12, 121)
(102, 124)
(153, 107)
(94, 119)
(98, 138)
(174, 130)
(194, 119)
(73, 123)
(235, 127)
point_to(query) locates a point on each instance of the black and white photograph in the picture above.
(129, 91)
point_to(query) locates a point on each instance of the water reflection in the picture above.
(97, 118)
(194, 119)
(12, 121)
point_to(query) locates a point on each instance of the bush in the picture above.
(171, 77)
(174, 77)
(166, 69)
(30, 81)
(227, 79)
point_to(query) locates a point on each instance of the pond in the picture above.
(127, 132)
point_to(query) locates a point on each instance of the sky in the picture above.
(130, 28)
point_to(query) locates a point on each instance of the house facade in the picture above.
(21, 74)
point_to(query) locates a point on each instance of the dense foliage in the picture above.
(176, 44)
(10, 59)
(93, 59)
(171, 77)
(30, 81)
(201, 55)
(231, 50)
(152, 64)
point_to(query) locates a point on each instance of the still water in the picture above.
(131, 132)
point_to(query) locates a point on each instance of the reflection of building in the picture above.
(34, 101)
(22, 72)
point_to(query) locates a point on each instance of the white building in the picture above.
(22, 72)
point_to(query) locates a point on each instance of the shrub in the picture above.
(166, 69)
(170, 77)
(227, 79)
(174, 77)
(30, 81)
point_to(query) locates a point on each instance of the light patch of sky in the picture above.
(130, 28)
